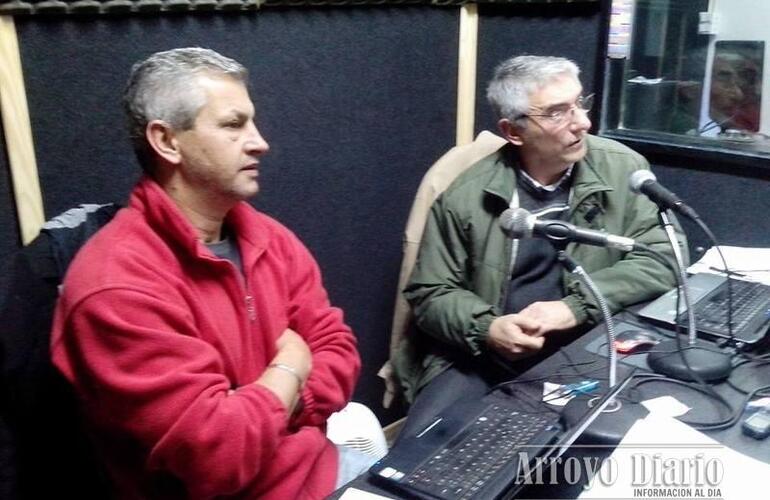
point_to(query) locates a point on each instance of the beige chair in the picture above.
(435, 181)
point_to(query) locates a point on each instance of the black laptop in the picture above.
(485, 449)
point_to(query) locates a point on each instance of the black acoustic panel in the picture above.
(172, 7)
(74, 72)
(734, 208)
(569, 30)
(365, 113)
(10, 242)
(10, 236)
(356, 105)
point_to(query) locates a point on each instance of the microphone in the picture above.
(645, 182)
(519, 223)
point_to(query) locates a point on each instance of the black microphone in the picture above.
(645, 182)
(519, 223)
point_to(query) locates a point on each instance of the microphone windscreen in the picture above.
(638, 178)
(516, 222)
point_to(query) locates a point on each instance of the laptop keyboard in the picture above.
(492, 441)
(750, 309)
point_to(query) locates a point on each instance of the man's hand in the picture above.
(550, 316)
(515, 336)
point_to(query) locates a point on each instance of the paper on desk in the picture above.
(552, 397)
(666, 406)
(753, 263)
(660, 457)
(356, 494)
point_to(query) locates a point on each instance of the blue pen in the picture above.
(583, 387)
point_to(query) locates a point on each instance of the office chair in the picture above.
(436, 180)
(46, 453)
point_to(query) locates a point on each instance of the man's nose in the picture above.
(580, 120)
(255, 143)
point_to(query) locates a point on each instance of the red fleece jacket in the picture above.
(154, 331)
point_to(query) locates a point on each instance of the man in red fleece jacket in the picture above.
(196, 330)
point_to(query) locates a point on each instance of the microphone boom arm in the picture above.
(572, 266)
(681, 277)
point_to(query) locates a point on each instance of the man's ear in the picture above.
(163, 140)
(510, 131)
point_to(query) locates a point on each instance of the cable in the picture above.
(556, 375)
(677, 323)
(636, 320)
(702, 225)
(755, 361)
(533, 403)
(728, 275)
(712, 124)
(703, 426)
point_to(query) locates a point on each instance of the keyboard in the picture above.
(751, 308)
(499, 437)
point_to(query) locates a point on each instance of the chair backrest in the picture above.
(45, 451)
(434, 182)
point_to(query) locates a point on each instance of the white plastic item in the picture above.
(355, 426)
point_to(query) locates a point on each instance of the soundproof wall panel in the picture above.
(355, 103)
(573, 31)
(734, 207)
(10, 238)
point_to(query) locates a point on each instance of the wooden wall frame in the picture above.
(18, 135)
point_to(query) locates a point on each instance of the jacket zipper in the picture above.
(250, 307)
(248, 299)
(567, 278)
(240, 277)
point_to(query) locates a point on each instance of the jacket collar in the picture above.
(168, 221)
(586, 181)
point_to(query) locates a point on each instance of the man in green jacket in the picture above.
(487, 307)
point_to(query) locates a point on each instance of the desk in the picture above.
(575, 362)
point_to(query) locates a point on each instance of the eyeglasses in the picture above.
(560, 115)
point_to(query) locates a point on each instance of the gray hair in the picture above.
(164, 87)
(515, 79)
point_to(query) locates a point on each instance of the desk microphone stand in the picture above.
(611, 425)
(698, 359)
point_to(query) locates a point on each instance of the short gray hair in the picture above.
(515, 79)
(164, 87)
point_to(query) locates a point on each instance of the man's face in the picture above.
(220, 153)
(726, 94)
(549, 145)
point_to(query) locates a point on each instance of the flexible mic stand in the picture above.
(616, 418)
(698, 359)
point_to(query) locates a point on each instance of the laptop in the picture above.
(448, 459)
(708, 294)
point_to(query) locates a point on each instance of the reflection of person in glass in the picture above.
(734, 96)
(750, 81)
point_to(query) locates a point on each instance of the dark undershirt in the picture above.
(227, 249)
(537, 273)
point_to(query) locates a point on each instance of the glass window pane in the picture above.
(691, 71)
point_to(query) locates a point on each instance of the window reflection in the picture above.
(736, 91)
(681, 82)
